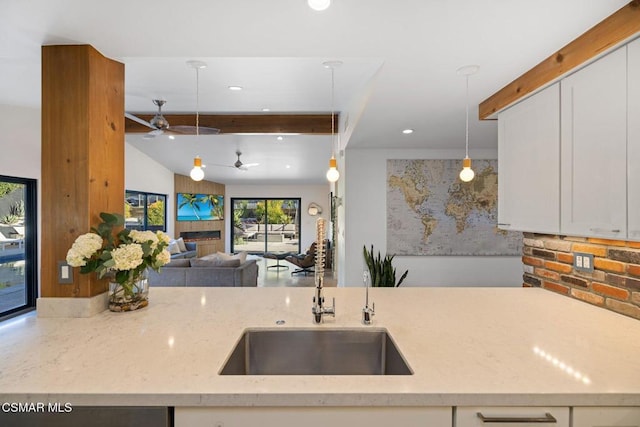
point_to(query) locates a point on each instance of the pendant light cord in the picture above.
(333, 152)
(198, 101)
(467, 122)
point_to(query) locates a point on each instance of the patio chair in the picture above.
(6, 241)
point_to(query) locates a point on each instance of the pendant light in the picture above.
(467, 174)
(197, 174)
(332, 174)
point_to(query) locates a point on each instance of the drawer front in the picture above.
(606, 417)
(516, 416)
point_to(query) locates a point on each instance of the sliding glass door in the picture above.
(265, 225)
(18, 283)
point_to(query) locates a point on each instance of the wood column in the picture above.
(82, 156)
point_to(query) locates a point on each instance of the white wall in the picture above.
(308, 193)
(20, 141)
(144, 174)
(365, 224)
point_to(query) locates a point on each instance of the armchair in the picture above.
(305, 262)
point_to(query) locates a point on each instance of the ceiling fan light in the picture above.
(332, 174)
(319, 5)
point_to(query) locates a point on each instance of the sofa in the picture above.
(176, 249)
(206, 272)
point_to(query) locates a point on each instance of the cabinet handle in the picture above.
(504, 225)
(548, 418)
(604, 230)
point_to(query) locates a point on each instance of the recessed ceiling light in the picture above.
(319, 5)
(172, 137)
(279, 138)
(288, 166)
(407, 131)
(235, 87)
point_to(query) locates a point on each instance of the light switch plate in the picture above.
(65, 274)
(583, 262)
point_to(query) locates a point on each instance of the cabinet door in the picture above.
(606, 417)
(314, 417)
(529, 164)
(593, 149)
(467, 416)
(633, 142)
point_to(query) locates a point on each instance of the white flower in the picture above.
(163, 237)
(127, 257)
(83, 249)
(163, 257)
(144, 237)
(75, 259)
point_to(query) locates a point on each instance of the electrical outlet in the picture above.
(583, 262)
(65, 274)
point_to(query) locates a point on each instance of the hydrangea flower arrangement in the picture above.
(124, 256)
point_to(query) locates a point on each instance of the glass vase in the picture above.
(129, 296)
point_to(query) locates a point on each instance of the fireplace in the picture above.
(192, 236)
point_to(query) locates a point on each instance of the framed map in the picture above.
(430, 211)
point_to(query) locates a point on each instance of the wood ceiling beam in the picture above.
(613, 30)
(312, 124)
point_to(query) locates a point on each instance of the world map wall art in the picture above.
(430, 211)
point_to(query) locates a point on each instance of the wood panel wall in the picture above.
(82, 156)
(184, 184)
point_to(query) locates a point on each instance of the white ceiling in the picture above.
(400, 60)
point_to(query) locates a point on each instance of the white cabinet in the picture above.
(606, 417)
(467, 416)
(594, 149)
(314, 417)
(633, 142)
(529, 164)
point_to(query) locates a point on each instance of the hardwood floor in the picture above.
(274, 277)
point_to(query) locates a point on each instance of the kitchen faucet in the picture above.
(367, 312)
(319, 309)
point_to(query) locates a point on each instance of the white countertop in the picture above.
(466, 346)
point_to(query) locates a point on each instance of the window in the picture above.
(18, 240)
(265, 225)
(145, 211)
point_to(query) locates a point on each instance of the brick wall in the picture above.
(614, 283)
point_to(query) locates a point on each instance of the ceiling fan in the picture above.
(159, 124)
(239, 165)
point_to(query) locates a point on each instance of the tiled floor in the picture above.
(273, 277)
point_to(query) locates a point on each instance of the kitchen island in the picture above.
(466, 346)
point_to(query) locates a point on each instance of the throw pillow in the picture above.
(242, 256)
(173, 248)
(181, 244)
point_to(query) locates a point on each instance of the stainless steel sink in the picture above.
(316, 352)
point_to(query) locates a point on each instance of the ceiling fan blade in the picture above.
(139, 120)
(153, 134)
(250, 165)
(193, 130)
(223, 166)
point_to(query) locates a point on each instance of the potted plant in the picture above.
(123, 256)
(381, 270)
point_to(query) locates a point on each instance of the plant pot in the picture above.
(130, 295)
